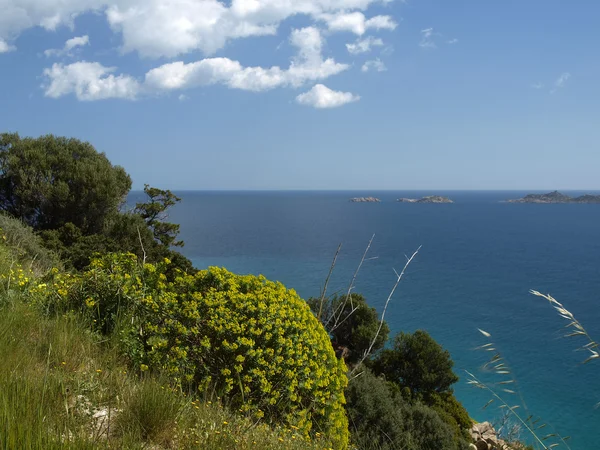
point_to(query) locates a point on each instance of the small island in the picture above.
(428, 199)
(365, 200)
(556, 197)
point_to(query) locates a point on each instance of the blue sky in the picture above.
(313, 94)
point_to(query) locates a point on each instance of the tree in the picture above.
(380, 418)
(154, 213)
(417, 362)
(352, 336)
(50, 181)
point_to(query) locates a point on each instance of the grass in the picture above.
(64, 387)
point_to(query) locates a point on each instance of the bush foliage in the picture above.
(352, 336)
(381, 419)
(248, 339)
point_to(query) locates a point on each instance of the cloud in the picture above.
(308, 65)
(5, 48)
(537, 86)
(357, 23)
(430, 38)
(72, 43)
(183, 97)
(18, 15)
(364, 45)
(376, 65)
(92, 81)
(168, 28)
(89, 81)
(561, 80)
(322, 97)
(427, 36)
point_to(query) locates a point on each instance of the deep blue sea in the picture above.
(479, 259)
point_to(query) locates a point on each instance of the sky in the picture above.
(313, 94)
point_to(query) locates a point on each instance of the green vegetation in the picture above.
(73, 196)
(251, 341)
(111, 338)
(352, 336)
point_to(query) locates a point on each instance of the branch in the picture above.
(338, 312)
(398, 279)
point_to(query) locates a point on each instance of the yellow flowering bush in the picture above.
(252, 341)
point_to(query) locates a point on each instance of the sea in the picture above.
(479, 258)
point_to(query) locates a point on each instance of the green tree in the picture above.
(381, 419)
(352, 334)
(417, 362)
(154, 212)
(50, 181)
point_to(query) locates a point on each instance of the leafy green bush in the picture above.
(248, 339)
(357, 327)
(417, 362)
(24, 246)
(422, 370)
(380, 419)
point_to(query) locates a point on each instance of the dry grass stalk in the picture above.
(497, 365)
(574, 325)
(324, 293)
(399, 277)
(337, 314)
(475, 382)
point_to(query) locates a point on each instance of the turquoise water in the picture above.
(479, 259)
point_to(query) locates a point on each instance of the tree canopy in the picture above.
(50, 181)
(417, 362)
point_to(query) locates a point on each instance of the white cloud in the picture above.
(537, 86)
(157, 28)
(322, 97)
(376, 65)
(88, 81)
(427, 38)
(357, 23)
(183, 97)
(364, 45)
(430, 39)
(307, 66)
(79, 41)
(20, 15)
(92, 81)
(560, 82)
(5, 48)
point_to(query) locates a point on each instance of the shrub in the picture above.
(248, 339)
(353, 336)
(24, 246)
(380, 419)
(417, 362)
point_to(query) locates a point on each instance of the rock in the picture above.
(428, 199)
(556, 197)
(472, 447)
(365, 200)
(482, 445)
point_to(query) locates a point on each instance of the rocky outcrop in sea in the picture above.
(556, 197)
(365, 200)
(428, 199)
